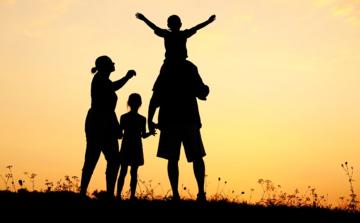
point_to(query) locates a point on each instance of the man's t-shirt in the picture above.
(176, 90)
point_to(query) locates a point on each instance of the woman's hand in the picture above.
(130, 73)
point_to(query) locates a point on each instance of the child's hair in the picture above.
(174, 22)
(134, 101)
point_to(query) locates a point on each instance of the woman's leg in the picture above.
(111, 152)
(92, 155)
(123, 171)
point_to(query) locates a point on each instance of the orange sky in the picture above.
(284, 103)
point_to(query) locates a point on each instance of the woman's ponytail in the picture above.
(94, 70)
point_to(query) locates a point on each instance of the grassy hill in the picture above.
(69, 206)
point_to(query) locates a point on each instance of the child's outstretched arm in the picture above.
(147, 22)
(203, 24)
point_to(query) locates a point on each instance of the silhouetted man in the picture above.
(175, 93)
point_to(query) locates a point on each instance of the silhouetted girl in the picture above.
(132, 129)
(101, 124)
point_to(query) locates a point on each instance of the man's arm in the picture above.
(154, 103)
(121, 128)
(147, 22)
(203, 24)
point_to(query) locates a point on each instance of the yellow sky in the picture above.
(284, 100)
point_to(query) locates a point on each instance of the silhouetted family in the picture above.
(175, 94)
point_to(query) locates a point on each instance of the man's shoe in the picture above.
(201, 197)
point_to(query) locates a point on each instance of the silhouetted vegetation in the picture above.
(62, 197)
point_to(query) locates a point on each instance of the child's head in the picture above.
(174, 23)
(134, 101)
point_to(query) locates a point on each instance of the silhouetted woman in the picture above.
(101, 125)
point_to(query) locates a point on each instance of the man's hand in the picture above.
(203, 92)
(153, 132)
(152, 126)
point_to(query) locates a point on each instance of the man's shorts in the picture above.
(171, 139)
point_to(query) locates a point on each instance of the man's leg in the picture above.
(173, 173)
(199, 172)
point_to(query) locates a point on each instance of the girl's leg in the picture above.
(123, 171)
(133, 181)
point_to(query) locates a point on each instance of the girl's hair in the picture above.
(100, 63)
(134, 101)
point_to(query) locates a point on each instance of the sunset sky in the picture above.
(284, 78)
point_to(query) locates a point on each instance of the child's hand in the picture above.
(153, 132)
(140, 16)
(120, 135)
(130, 73)
(212, 18)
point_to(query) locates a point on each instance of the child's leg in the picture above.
(123, 171)
(133, 181)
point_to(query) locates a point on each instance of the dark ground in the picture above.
(69, 207)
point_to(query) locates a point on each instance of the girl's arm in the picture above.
(147, 22)
(145, 134)
(121, 82)
(203, 24)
